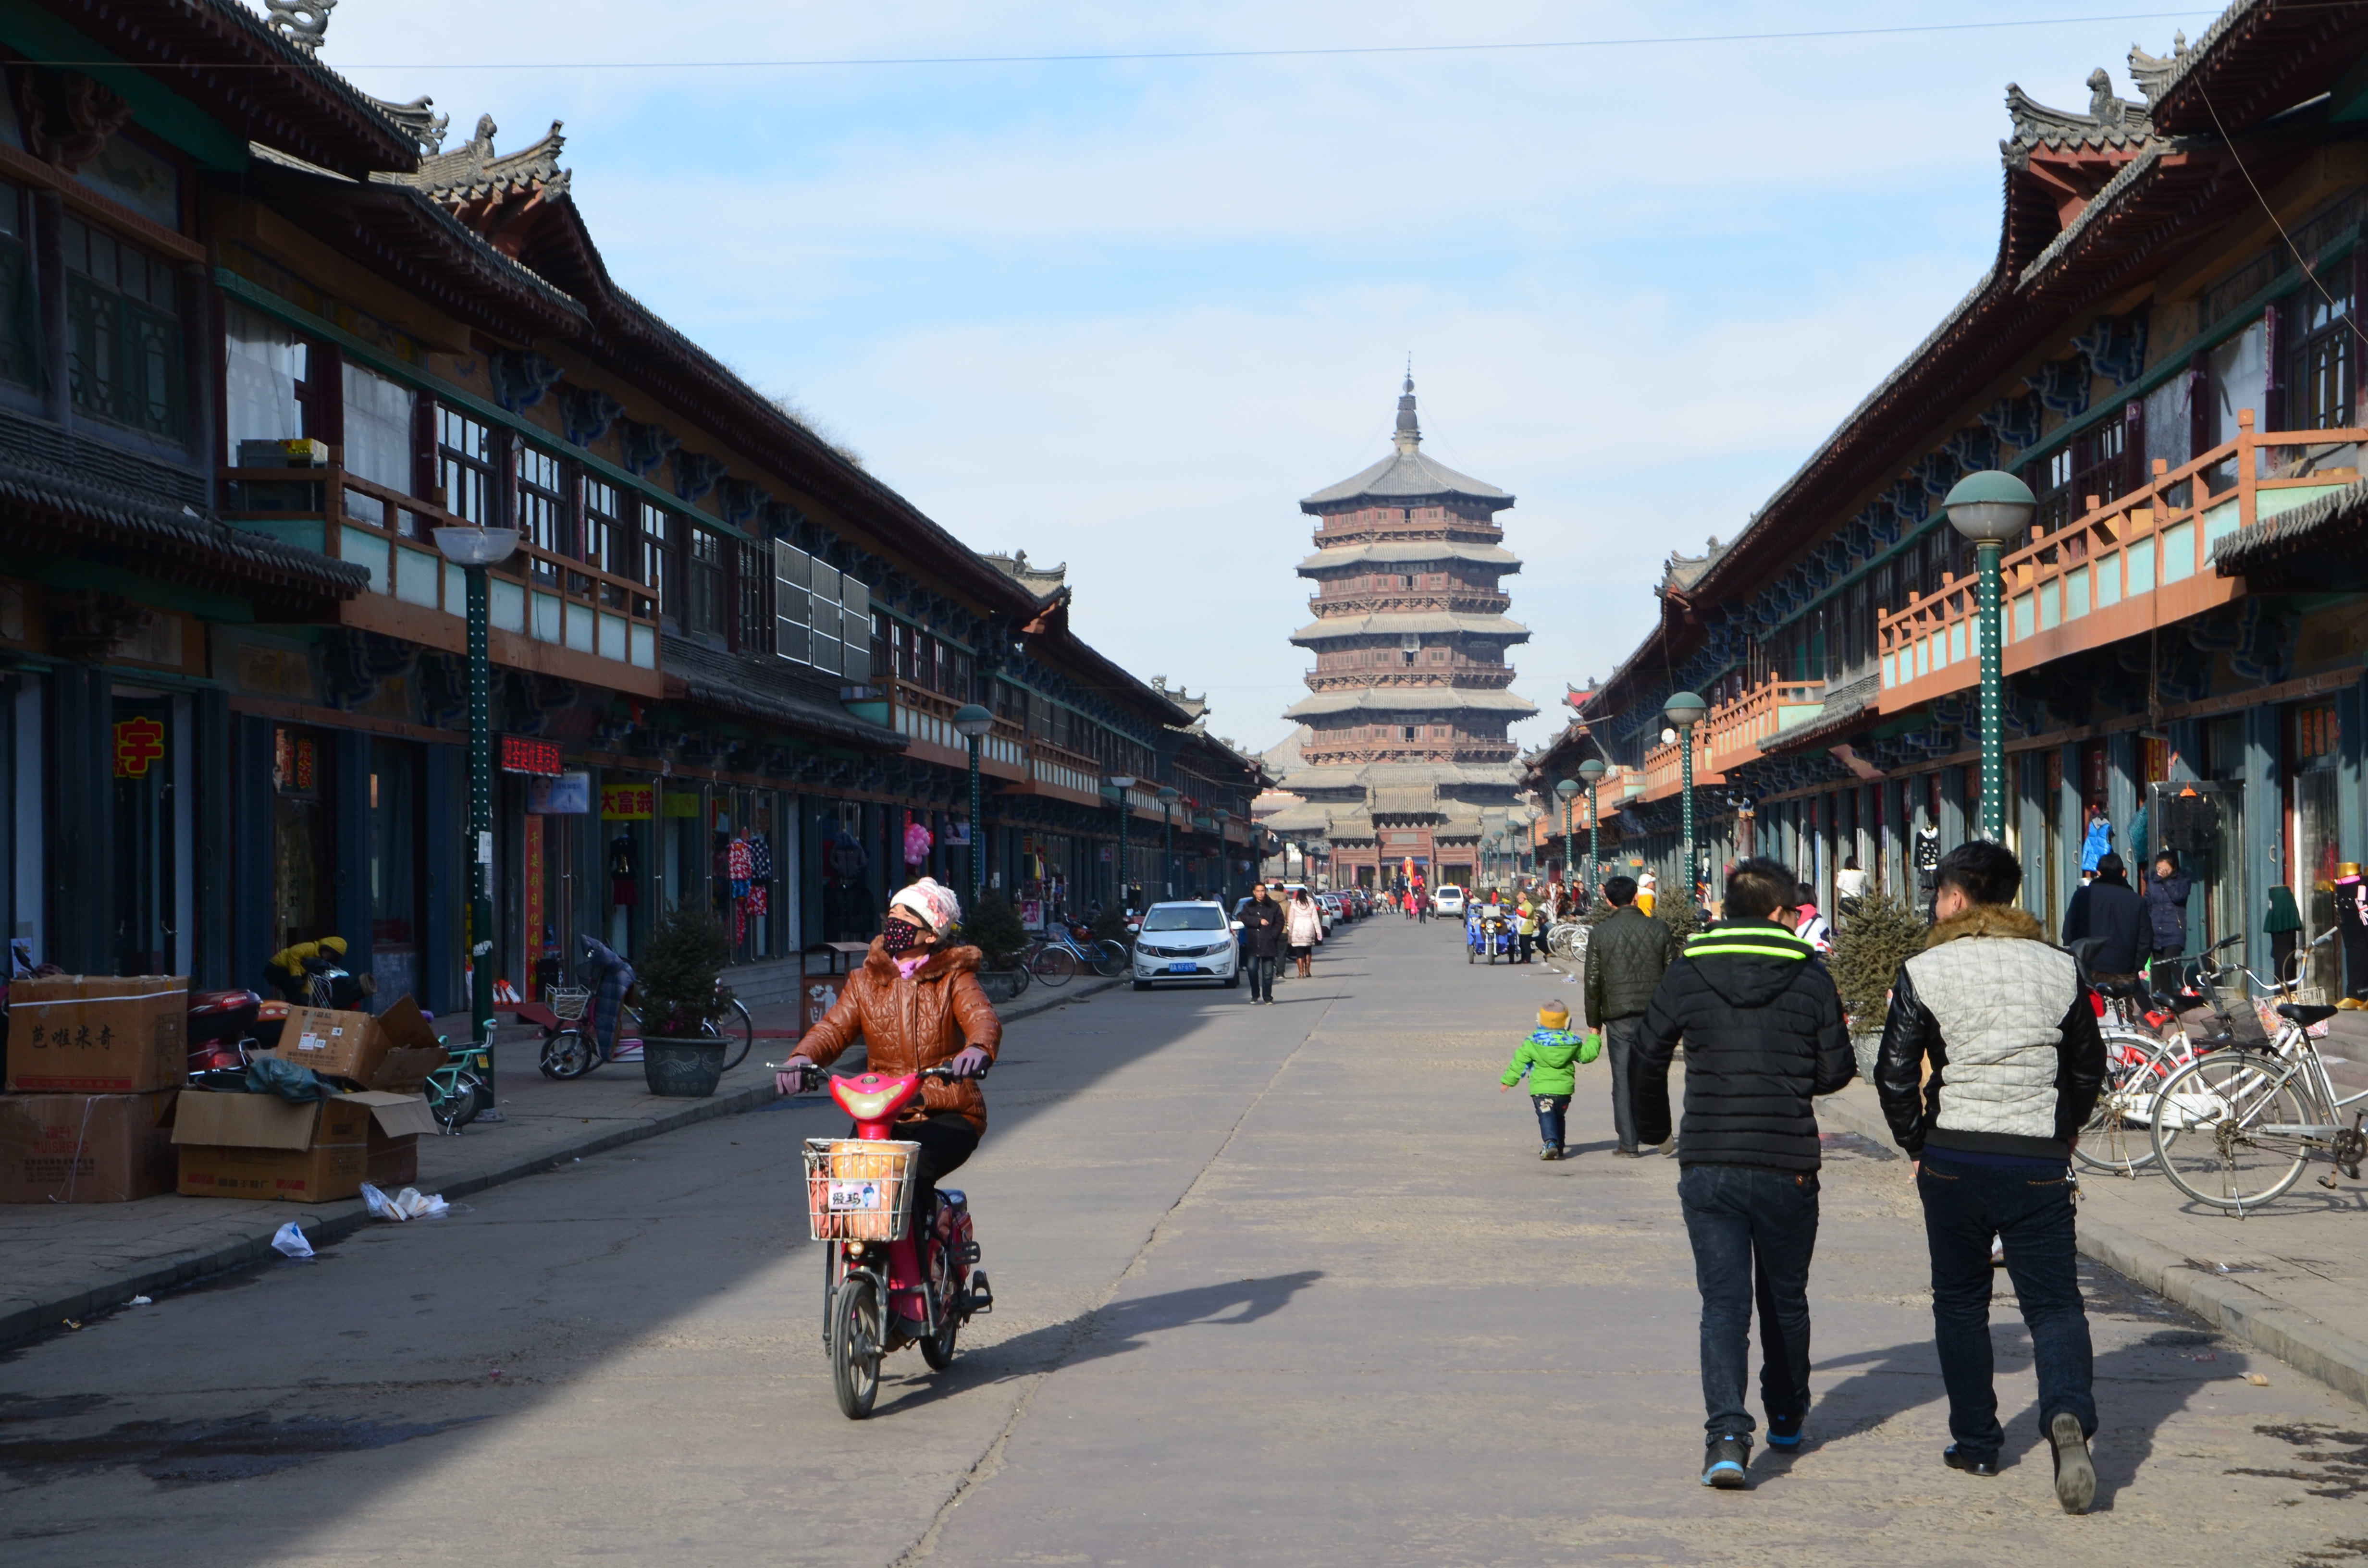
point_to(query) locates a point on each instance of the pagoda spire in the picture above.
(1409, 434)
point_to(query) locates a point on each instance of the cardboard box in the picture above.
(260, 1146)
(394, 1051)
(74, 1034)
(86, 1148)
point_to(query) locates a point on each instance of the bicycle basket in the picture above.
(567, 1002)
(859, 1190)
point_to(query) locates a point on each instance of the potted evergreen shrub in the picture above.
(1870, 944)
(994, 928)
(680, 972)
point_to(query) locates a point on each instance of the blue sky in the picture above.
(1124, 314)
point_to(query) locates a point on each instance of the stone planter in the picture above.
(1864, 1045)
(682, 1069)
(1002, 984)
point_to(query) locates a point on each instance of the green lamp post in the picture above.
(973, 721)
(1591, 774)
(1684, 710)
(1567, 791)
(473, 550)
(1168, 796)
(1221, 816)
(1118, 785)
(1991, 508)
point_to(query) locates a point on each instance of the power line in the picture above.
(1131, 56)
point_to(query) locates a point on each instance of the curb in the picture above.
(2303, 1342)
(332, 1221)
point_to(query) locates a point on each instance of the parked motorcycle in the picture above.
(223, 1029)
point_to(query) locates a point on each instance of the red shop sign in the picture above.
(521, 754)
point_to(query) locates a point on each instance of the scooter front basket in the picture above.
(859, 1189)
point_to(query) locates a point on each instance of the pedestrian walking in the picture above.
(1648, 892)
(1850, 886)
(1627, 953)
(1764, 1032)
(1525, 928)
(1261, 942)
(1303, 928)
(2110, 910)
(2000, 1018)
(1548, 1056)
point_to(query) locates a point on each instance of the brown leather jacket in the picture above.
(908, 1025)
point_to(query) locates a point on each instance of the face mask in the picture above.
(898, 937)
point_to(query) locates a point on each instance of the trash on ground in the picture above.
(140, 1302)
(2257, 1380)
(288, 1241)
(408, 1204)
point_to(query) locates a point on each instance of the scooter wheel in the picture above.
(855, 1347)
(937, 1350)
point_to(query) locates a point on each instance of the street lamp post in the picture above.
(1684, 709)
(473, 550)
(973, 721)
(1122, 782)
(1991, 508)
(1567, 789)
(1591, 773)
(1168, 796)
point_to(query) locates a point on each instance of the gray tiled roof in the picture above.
(1395, 624)
(1409, 550)
(1407, 475)
(1411, 699)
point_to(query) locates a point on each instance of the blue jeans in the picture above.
(1549, 1109)
(1753, 1232)
(1261, 979)
(2031, 1208)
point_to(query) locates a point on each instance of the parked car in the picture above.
(1189, 939)
(1448, 900)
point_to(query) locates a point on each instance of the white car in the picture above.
(1448, 900)
(1185, 940)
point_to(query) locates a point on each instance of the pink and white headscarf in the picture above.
(933, 902)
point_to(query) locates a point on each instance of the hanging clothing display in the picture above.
(761, 857)
(739, 865)
(2351, 919)
(2097, 842)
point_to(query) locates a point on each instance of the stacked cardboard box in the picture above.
(260, 1146)
(95, 1065)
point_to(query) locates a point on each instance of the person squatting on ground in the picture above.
(1547, 1056)
(2016, 1061)
(1303, 928)
(916, 1003)
(1627, 953)
(1261, 942)
(1764, 1031)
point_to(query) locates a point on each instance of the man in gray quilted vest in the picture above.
(2001, 1019)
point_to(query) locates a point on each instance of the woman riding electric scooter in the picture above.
(917, 1004)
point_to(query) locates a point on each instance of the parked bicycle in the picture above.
(571, 1041)
(1060, 953)
(2234, 1128)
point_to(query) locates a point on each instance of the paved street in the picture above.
(1279, 1285)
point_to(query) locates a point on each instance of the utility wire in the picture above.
(1336, 52)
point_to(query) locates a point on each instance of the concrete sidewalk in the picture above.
(2283, 1279)
(66, 1262)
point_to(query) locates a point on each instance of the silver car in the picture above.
(1185, 940)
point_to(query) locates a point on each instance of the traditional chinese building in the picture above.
(1403, 755)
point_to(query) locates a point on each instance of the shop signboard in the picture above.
(628, 803)
(524, 754)
(563, 795)
(1032, 914)
(682, 804)
(138, 743)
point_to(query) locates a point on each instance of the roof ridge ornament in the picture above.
(416, 120)
(1409, 434)
(301, 24)
(2153, 72)
(2112, 121)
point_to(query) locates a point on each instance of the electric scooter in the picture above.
(882, 1288)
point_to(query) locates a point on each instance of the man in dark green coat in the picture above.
(1627, 953)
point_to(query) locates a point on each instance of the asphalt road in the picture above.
(1275, 1285)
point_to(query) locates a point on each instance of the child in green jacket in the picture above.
(1547, 1057)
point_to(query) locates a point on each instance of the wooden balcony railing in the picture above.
(1734, 729)
(2138, 562)
(1664, 777)
(927, 718)
(575, 618)
(1056, 770)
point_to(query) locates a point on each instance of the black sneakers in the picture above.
(1724, 1461)
(1971, 1464)
(2075, 1474)
(1785, 1432)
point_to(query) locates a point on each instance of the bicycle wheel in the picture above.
(570, 1053)
(455, 1095)
(2118, 1138)
(739, 1032)
(2224, 1129)
(1110, 958)
(1053, 966)
(855, 1347)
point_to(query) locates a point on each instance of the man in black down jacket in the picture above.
(1261, 942)
(1763, 1031)
(2110, 910)
(1627, 953)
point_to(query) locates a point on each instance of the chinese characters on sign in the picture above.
(138, 743)
(520, 753)
(627, 802)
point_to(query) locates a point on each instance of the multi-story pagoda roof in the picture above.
(1391, 623)
(1412, 699)
(1392, 552)
(1406, 476)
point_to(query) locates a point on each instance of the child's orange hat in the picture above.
(1554, 1016)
